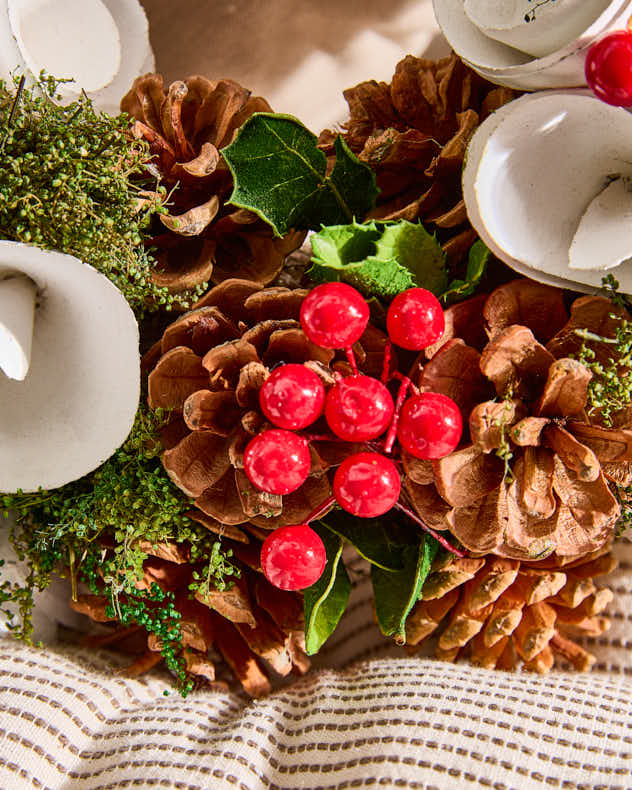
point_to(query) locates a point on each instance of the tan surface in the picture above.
(375, 722)
(300, 54)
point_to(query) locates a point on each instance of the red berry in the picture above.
(334, 315)
(293, 558)
(609, 68)
(292, 397)
(430, 425)
(358, 408)
(277, 462)
(367, 484)
(415, 319)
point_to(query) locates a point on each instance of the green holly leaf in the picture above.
(410, 244)
(375, 539)
(280, 174)
(477, 260)
(325, 601)
(395, 594)
(380, 258)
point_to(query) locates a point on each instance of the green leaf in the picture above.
(325, 601)
(380, 258)
(413, 247)
(338, 246)
(395, 594)
(477, 260)
(279, 174)
(375, 539)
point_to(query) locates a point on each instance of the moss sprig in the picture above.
(75, 180)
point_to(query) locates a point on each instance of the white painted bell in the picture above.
(541, 175)
(102, 45)
(519, 55)
(77, 401)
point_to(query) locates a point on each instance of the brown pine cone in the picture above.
(203, 239)
(536, 473)
(414, 133)
(502, 613)
(254, 627)
(208, 369)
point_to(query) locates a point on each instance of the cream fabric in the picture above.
(69, 722)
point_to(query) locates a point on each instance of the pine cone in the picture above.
(414, 133)
(207, 370)
(501, 612)
(537, 475)
(253, 626)
(186, 127)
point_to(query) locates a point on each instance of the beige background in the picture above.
(299, 54)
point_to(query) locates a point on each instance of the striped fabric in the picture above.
(366, 719)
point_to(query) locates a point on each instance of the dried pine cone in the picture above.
(414, 133)
(186, 127)
(537, 476)
(253, 626)
(212, 362)
(501, 612)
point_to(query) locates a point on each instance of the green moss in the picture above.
(71, 179)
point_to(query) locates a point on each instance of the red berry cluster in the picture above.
(358, 408)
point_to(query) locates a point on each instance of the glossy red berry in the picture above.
(293, 558)
(367, 484)
(609, 68)
(334, 315)
(415, 319)
(358, 408)
(277, 462)
(292, 397)
(430, 425)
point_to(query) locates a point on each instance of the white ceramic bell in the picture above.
(492, 50)
(102, 45)
(76, 404)
(538, 174)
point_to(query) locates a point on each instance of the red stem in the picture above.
(351, 360)
(386, 363)
(320, 510)
(392, 431)
(400, 377)
(321, 437)
(436, 535)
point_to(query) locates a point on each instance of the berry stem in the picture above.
(386, 364)
(321, 437)
(324, 506)
(400, 377)
(401, 397)
(436, 535)
(351, 360)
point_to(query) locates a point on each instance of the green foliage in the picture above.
(217, 573)
(156, 613)
(93, 527)
(477, 261)
(375, 539)
(280, 174)
(325, 601)
(379, 258)
(610, 388)
(395, 594)
(70, 180)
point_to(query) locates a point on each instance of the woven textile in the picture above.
(69, 722)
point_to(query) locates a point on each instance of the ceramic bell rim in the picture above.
(504, 65)
(103, 45)
(78, 400)
(537, 176)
